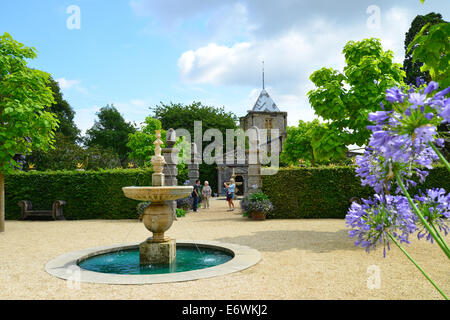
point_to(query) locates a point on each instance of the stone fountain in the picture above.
(158, 216)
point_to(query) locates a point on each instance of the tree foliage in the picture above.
(67, 155)
(344, 99)
(110, 131)
(64, 112)
(431, 46)
(141, 144)
(142, 147)
(25, 124)
(298, 144)
(183, 116)
(411, 68)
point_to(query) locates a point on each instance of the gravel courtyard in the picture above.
(301, 259)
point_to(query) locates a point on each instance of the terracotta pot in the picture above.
(258, 216)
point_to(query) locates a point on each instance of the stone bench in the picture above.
(56, 213)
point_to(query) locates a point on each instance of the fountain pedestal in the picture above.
(158, 216)
(157, 252)
(158, 249)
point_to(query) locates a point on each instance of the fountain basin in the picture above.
(157, 194)
(188, 258)
(67, 266)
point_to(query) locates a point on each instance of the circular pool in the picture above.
(119, 264)
(127, 261)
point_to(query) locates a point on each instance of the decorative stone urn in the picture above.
(158, 216)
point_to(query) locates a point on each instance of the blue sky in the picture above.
(136, 53)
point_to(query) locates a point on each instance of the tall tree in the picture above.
(344, 99)
(110, 131)
(298, 143)
(25, 124)
(412, 68)
(431, 46)
(141, 141)
(64, 113)
(66, 155)
(183, 116)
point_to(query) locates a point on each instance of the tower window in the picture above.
(268, 124)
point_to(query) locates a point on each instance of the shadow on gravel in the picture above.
(279, 240)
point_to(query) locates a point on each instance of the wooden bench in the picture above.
(56, 213)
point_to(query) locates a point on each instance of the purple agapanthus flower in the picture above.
(400, 144)
(373, 220)
(374, 171)
(435, 206)
(417, 99)
(432, 86)
(394, 95)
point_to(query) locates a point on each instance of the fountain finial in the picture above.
(158, 162)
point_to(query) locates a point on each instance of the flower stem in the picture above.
(440, 155)
(443, 246)
(439, 235)
(417, 266)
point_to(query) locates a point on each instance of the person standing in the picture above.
(196, 195)
(230, 194)
(206, 194)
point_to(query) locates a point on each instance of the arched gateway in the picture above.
(264, 115)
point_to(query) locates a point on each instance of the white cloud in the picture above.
(290, 58)
(66, 84)
(293, 37)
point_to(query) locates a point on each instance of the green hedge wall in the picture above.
(89, 194)
(325, 192)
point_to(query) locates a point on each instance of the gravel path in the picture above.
(301, 259)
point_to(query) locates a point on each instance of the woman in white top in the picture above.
(206, 194)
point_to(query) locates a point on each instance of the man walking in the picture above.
(196, 195)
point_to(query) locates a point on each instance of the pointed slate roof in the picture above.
(265, 103)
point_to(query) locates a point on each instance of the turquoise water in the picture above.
(127, 261)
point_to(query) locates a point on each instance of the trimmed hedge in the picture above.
(325, 192)
(295, 193)
(89, 194)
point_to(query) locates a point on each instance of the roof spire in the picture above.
(263, 73)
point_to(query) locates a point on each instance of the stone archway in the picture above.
(240, 185)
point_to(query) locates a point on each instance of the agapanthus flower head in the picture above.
(435, 206)
(373, 220)
(403, 135)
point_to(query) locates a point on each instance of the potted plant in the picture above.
(185, 203)
(256, 206)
